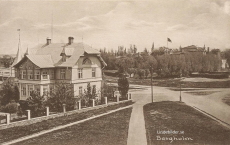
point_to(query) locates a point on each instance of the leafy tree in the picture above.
(123, 63)
(141, 73)
(36, 104)
(7, 60)
(123, 85)
(147, 72)
(8, 92)
(63, 94)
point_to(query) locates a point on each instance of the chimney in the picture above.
(48, 40)
(70, 40)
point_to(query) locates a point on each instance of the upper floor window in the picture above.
(87, 61)
(30, 74)
(80, 72)
(37, 74)
(62, 74)
(45, 75)
(23, 74)
(93, 72)
(51, 74)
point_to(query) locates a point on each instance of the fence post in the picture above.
(64, 109)
(130, 96)
(75, 105)
(117, 98)
(28, 114)
(8, 118)
(93, 102)
(106, 101)
(79, 103)
(47, 111)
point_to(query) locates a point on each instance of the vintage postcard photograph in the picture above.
(115, 72)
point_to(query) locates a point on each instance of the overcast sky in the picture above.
(113, 23)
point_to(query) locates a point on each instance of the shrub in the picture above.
(123, 85)
(12, 107)
(63, 94)
(36, 104)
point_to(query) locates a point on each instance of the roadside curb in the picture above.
(62, 126)
(213, 117)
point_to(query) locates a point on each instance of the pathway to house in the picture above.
(137, 133)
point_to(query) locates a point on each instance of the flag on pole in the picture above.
(169, 40)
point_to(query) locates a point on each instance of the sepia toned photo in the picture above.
(115, 72)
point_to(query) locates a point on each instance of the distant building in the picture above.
(193, 49)
(224, 64)
(47, 64)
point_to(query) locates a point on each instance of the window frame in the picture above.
(93, 72)
(45, 75)
(37, 75)
(80, 73)
(80, 90)
(62, 74)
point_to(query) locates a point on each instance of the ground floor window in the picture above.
(80, 90)
(23, 90)
(51, 89)
(30, 89)
(37, 89)
(45, 89)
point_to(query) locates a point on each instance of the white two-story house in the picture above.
(74, 63)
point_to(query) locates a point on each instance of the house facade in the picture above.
(72, 63)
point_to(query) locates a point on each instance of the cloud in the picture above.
(227, 7)
(177, 27)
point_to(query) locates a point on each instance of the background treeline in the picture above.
(163, 64)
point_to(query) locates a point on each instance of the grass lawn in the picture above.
(193, 127)
(111, 129)
(171, 82)
(20, 131)
(200, 93)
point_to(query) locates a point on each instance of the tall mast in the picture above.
(52, 26)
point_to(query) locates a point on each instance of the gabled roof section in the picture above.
(42, 61)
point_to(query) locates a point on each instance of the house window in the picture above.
(93, 72)
(80, 90)
(80, 72)
(62, 73)
(23, 90)
(23, 74)
(87, 61)
(37, 89)
(30, 74)
(51, 89)
(30, 89)
(45, 89)
(37, 74)
(45, 75)
(51, 74)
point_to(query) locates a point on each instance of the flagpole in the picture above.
(167, 42)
